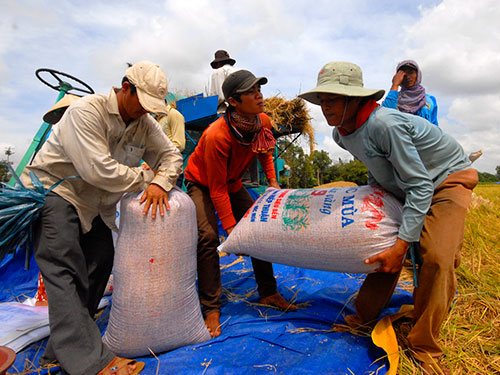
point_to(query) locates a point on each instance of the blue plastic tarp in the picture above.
(255, 339)
(16, 284)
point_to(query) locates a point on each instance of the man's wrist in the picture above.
(403, 245)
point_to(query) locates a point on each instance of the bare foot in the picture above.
(355, 323)
(212, 321)
(131, 368)
(278, 302)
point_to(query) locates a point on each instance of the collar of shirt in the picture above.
(112, 106)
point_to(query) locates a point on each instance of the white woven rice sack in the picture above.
(155, 302)
(333, 229)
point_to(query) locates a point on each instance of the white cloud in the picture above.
(457, 45)
(480, 113)
(334, 150)
(455, 42)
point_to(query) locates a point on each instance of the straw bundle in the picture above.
(291, 115)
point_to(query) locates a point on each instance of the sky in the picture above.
(455, 42)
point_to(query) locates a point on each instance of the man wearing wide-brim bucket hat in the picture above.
(429, 172)
(223, 66)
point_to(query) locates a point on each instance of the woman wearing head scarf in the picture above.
(412, 98)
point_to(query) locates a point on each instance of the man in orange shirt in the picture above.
(213, 180)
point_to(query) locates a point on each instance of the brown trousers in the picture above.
(209, 279)
(440, 245)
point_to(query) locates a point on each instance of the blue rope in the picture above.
(191, 139)
(19, 209)
(413, 249)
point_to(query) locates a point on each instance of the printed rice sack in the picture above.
(332, 229)
(155, 303)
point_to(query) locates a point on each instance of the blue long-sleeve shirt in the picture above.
(428, 111)
(407, 156)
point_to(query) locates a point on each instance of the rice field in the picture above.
(471, 334)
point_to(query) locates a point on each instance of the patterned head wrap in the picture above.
(411, 99)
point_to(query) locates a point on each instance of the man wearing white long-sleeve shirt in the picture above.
(224, 66)
(101, 139)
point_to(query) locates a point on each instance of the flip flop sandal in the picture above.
(119, 366)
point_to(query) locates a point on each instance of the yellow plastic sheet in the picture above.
(383, 336)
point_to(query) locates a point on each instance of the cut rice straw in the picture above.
(268, 367)
(239, 260)
(206, 366)
(470, 334)
(224, 322)
(290, 114)
(158, 363)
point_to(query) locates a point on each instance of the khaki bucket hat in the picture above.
(342, 78)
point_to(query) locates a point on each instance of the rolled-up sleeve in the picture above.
(163, 156)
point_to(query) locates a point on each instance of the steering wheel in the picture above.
(63, 85)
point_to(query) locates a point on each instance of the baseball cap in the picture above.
(409, 63)
(151, 84)
(240, 81)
